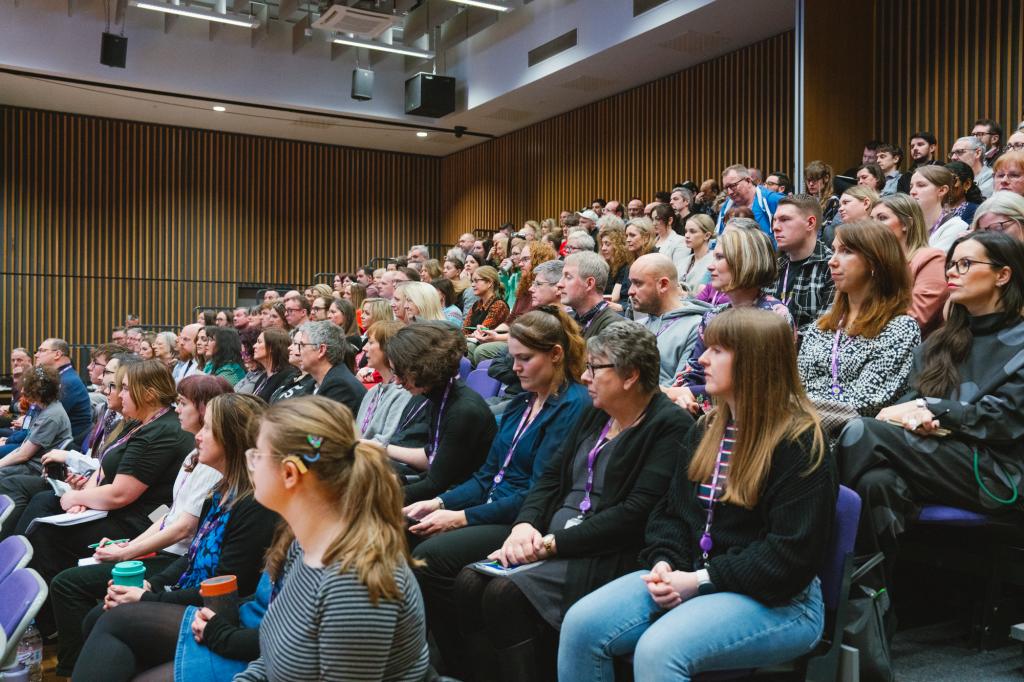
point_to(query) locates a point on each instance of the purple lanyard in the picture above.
(714, 299)
(597, 311)
(520, 431)
(124, 439)
(785, 283)
(705, 540)
(665, 328)
(437, 426)
(591, 459)
(837, 390)
(373, 407)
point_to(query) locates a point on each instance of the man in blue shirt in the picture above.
(742, 191)
(73, 393)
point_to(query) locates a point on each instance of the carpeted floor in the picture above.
(939, 653)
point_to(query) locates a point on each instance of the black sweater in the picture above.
(249, 532)
(640, 464)
(467, 429)
(770, 552)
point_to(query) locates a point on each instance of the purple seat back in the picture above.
(22, 593)
(950, 516)
(483, 384)
(484, 364)
(465, 367)
(6, 507)
(844, 535)
(15, 553)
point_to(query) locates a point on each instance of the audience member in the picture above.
(923, 152)
(990, 134)
(48, 429)
(224, 354)
(971, 150)
(381, 409)
(902, 215)
(581, 523)
(489, 310)
(1008, 170)
(889, 157)
(779, 182)
(818, 182)
(640, 237)
(301, 383)
(856, 359)
(55, 353)
(743, 193)
(804, 282)
(1002, 212)
(583, 277)
(186, 365)
(273, 314)
(966, 381)
(425, 359)
(270, 353)
(698, 233)
(618, 258)
(930, 187)
(668, 239)
(964, 196)
(322, 350)
(871, 176)
(735, 544)
(681, 200)
(448, 299)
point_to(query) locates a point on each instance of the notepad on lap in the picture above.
(68, 519)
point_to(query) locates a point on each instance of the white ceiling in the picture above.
(271, 89)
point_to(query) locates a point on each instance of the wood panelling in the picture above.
(100, 217)
(942, 64)
(690, 125)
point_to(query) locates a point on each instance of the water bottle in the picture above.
(30, 652)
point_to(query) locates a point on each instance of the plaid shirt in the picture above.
(806, 286)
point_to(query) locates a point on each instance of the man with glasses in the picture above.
(971, 151)
(742, 191)
(579, 241)
(581, 288)
(296, 312)
(73, 394)
(1016, 142)
(990, 134)
(322, 349)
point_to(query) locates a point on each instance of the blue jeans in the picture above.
(722, 631)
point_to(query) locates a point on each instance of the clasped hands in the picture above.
(918, 420)
(432, 519)
(670, 588)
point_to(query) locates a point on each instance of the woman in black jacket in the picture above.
(136, 629)
(581, 525)
(735, 546)
(460, 427)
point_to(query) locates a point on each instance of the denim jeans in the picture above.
(721, 631)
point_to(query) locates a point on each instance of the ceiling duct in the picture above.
(358, 22)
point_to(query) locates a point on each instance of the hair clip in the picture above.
(315, 442)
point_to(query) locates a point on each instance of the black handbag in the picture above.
(868, 626)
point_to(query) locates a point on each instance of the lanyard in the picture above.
(714, 299)
(592, 315)
(437, 426)
(408, 420)
(705, 539)
(591, 460)
(373, 407)
(785, 283)
(837, 389)
(664, 328)
(520, 431)
(125, 438)
(176, 493)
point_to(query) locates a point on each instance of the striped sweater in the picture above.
(322, 626)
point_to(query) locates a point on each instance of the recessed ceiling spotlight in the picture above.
(421, 134)
(219, 108)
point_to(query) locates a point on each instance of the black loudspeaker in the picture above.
(113, 50)
(430, 95)
(362, 84)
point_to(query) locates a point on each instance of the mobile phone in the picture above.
(58, 471)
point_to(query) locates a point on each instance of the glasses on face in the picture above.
(571, 249)
(963, 265)
(477, 280)
(542, 283)
(1001, 226)
(302, 344)
(252, 455)
(957, 153)
(292, 310)
(320, 307)
(733, 185)
(1006, 175)
(593, 368)
(98, 364)
(1015, 147)
(980, 134)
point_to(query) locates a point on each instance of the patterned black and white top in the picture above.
(322, 626)
(873, 373)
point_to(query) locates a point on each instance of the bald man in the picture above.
(186, 365)
(654, 290)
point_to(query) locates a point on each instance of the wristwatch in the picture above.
(549, 543)
(704, 584)
(440, 503)
(920, 403)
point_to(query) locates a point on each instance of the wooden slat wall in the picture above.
(690, 125)
(87, 205)
(942, 64)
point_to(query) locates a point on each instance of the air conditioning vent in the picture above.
(342, 19)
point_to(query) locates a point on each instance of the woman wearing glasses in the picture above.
(582, 523)
(1002, 212)
(1008, 170)
(346, 605)
(489, 310)
(967, 385)
(136, 629)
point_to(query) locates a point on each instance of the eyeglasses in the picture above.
(963, 265)
(733, 185)
(1001, 226)
(957, 153)
(319, 307)
(980, 134)
(1005, 175)
(303, 344)
(1015, 147)
(252, 455)
(292, 310)
(593, 368)
(542, 283)
(98, 364)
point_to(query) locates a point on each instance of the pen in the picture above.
(108, 542)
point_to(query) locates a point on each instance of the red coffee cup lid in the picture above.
(215, 587)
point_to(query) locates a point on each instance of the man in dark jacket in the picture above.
(322, 348)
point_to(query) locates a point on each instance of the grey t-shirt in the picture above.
(50, 428)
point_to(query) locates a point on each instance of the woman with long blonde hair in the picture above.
(347, 600)
(735, 546)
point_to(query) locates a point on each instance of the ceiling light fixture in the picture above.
(484, 5)
(230, 18)
(421, 134)
(384, 47)
(219, 108)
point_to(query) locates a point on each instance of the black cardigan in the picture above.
(249, 532)
(640, 464)
(770, 552)
(467, 429)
